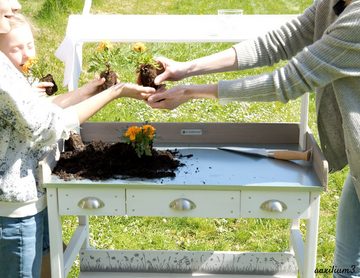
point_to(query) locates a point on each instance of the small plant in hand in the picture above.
(34, 70)
(141, 139)
(103, 61)
(147, 68)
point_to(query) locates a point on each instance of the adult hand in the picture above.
(132, 90)
(171, 98)
(178, 95)
(173, 71)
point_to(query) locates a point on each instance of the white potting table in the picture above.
(267, 189)
(213, 183)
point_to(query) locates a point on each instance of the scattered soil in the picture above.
(49, 90)
(110, 79)
(99, 161)
(147, 74)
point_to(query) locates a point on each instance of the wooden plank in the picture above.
(189, 28)
(87, 7)
(47, 164)
(216, 204)
(178, 275)
(73, 248)
(203, 134)
(319, 163)
(113, 201)
(304, 118)
(298, 245)
(312, 227)
(295, 204)
(166, 261)
(55, 232)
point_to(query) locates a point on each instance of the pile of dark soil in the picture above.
(99, 161)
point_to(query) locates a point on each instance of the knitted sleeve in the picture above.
(276, 45)
(335, 55)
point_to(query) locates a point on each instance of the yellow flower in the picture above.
(139, 47)
(104, 45)
(149, 130)
(140, 138)
(132, 131)
(28, 65)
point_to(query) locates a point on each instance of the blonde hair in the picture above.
(16, 21)
(19, 20)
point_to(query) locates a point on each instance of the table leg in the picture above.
(312, 225)
(84, 220)
(87, 7)
(55, 231)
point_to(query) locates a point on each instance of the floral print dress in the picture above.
(30, 126)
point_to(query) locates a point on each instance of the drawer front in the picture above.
(272, 204)
(99, 201)
(183, 203)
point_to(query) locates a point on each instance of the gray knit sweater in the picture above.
(323, 53)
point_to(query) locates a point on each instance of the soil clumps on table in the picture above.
(98, 160)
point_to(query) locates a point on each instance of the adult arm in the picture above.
(280, 44)
(336, 55)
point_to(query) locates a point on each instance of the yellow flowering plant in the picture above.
(104, 57)
(34, 70)
(141, 139)
(141, 55)
(146, 66)
(103, 61)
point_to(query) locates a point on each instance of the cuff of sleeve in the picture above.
(246, 55)
(255, 88)
(71, 121)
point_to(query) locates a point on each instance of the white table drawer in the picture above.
(183, 203)
(99, 201)
(274, 204)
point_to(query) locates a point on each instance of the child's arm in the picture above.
(80, 94)
(90, 106)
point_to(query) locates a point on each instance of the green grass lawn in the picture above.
(186, 233)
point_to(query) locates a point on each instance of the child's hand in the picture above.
(132, 90)
(41, 86)
(91, 88)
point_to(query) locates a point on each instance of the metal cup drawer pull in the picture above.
(182, 204)
(273, 206)
(91, 203)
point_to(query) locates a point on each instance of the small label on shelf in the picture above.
(191, 132)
